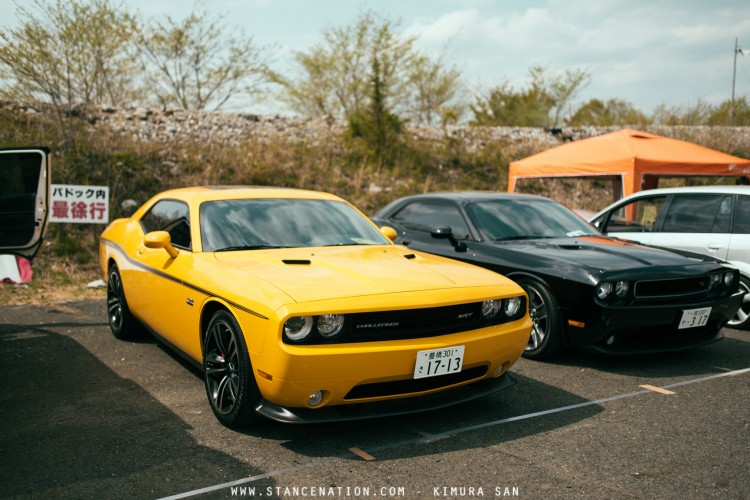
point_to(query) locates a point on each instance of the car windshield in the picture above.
(249, 224)
(516, 219)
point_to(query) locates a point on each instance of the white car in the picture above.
(710, 220)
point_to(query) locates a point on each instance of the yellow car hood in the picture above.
(320, 273)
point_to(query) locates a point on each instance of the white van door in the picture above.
(24, 197)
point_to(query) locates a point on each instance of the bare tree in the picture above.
(199, 64)
(70, 54)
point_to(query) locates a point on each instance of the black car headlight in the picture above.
(298, 328)
(329, 325)
(715, 280)
(490, 308)
(604, 289)
(511, 306)
(621, 288)
(728, 279)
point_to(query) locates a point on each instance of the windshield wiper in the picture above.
(247, 247)
(522, 237)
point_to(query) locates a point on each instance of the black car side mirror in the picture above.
(445, 232)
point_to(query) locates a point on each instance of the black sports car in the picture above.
(585, 290)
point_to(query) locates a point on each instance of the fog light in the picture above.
(500, 369)
(611, 340)
(315, 398)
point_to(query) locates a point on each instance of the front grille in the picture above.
(411, 386)
(414, 323)
(671, 287)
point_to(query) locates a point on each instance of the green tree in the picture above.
(435, 90)
(336, 75)
(721, 113)
(541, 104)
(199, 63)
(70, 54)
(696, 114)
(602, 114)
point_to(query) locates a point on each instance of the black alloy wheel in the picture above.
(546, 339)
(122, 323)
(230, 384)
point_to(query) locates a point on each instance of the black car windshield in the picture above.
(516, 219)
(249, 224)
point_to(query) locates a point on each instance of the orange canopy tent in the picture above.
(633, 160)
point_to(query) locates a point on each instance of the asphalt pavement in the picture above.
(84, 415)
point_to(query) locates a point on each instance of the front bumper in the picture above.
(652, 328)
(378, 409)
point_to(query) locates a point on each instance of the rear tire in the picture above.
(228, 374)
(741, 320)
(546, 340)
(122, 323)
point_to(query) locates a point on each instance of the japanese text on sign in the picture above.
(82, 204)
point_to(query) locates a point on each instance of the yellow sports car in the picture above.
(298, 308)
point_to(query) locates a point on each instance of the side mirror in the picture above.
(445, 232)
(161, 239)
(389, 232)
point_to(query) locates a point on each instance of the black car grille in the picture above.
(410, 386)
(672, 287)
(415, 322)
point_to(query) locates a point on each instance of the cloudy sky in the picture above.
(647, 52)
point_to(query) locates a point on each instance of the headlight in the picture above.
(511, 306)
(603, 290)
(621, 288)
(715, 280)
(330, 324)
(728, 279)
(298, 328)
(490, 308)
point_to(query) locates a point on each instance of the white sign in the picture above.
(81, 204)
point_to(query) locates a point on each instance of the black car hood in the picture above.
(596, 254)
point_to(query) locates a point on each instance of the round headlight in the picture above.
(603, 290)
(728, 279)
(490, 308)
(511, 306)
(621, 288)
(298, 327)
(330, 324)
(715, 280)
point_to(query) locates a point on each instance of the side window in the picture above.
(723, 220)
(742, 215)
(171, 216)
(638, 216)
(424, 216)
(692, 213)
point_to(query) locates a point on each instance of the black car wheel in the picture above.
(546, 339)
(121, 321)
(741, 320)
(230, 384)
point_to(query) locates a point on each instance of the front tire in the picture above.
(741, 320)
(228, 374)
(546, 340)
(122, 323)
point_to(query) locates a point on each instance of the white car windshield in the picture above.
(250, 224)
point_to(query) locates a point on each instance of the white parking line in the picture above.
(451, 433)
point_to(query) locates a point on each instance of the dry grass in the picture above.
(56, 280)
